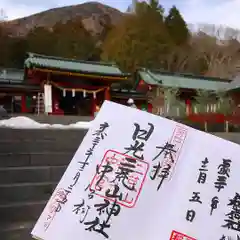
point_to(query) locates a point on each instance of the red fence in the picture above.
(214, 118)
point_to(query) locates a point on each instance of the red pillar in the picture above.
(107, 95)
(150, 107)
(24, 104)
(188, 106)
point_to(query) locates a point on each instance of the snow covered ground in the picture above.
(28, 123)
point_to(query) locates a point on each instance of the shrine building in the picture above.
(58, 86)
(186, 87)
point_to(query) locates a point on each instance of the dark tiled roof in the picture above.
(9, 75)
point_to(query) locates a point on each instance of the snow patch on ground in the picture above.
(28, 123)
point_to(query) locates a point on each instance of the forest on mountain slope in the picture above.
(149, 37)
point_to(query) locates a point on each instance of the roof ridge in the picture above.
(188, 75)
(154, 77)
(37, 55)
(198, 84)
(198, 79)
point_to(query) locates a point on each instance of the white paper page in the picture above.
(83, 205)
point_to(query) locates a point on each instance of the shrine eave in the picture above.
(81, 74)
(234, 85)
(179, 81)
(126, 94)
(14, 87)
(74, 67)
(190, 75)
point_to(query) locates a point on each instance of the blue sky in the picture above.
(220, 12)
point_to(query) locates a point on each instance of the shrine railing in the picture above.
(206, 118)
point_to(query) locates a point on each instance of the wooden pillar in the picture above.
(23, 104)
(107, 95)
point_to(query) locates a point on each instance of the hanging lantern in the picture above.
(84, 93)
(94, 95)
(73, 92)
(64, 92)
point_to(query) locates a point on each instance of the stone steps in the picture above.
(41, 158)
(21, 211)
(31, 164)
(31, 174)
(6, 147)
(16, 231)
(20, 192)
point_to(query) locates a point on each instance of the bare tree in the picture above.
(177, 60)
(156, 98)
(225, 103)
(219, 48)
(3, 20)
(3, 16)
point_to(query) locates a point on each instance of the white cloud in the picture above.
(18, 10)
(21, 11)
(220, 13)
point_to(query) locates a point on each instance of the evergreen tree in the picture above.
(73, 40)
(41, 40)
(177, 27)
(156, 6)
(140, 40)
(17, 53)
(4, 46)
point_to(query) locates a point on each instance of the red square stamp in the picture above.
(119, 178)
(180, 236)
